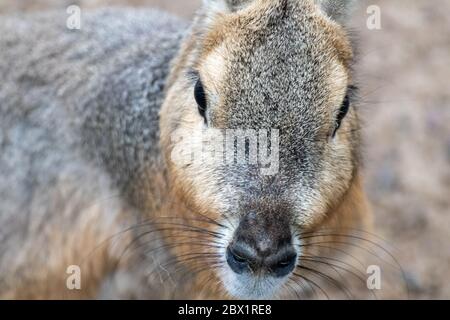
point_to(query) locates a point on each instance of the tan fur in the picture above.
(190, 192)
(346, 209)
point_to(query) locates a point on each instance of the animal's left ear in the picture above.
(337, 10)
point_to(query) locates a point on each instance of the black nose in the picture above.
(243, 258)
(262, 244)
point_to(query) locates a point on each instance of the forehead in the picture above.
(277, 59)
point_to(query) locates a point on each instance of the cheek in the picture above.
(313, 198)
(308, 205)
(194, 176)
(336, 175)
(340, 164)
(197, 187)
(197, 163)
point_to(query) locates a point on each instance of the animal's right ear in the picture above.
(226, 5)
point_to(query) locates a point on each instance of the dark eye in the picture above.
(342, 113)
(200, 98)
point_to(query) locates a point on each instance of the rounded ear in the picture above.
(337, 10)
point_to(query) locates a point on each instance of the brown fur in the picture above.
(200, 196)
(345, 211)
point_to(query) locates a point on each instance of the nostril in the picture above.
(237, 260)
(285, 264)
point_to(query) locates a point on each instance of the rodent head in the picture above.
(276, 74)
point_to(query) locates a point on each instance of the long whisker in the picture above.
(329, 279)
(353, 245)
(139, 237)
(320, 260)
(346, 230)
(361, 264)
(145, 223)
(198, 238)
(313, 283)
(335, 267)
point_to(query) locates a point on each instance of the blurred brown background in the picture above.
(404, 72)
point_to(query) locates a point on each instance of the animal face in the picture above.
(272, 77)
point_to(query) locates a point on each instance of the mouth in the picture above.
(251, 287)
(249, 282)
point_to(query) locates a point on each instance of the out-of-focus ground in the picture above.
(404, 75)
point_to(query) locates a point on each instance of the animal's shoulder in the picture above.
(41, 51)
(68, 92)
